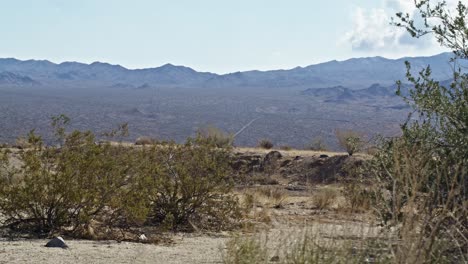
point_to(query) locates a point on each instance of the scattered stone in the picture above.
(141, 141)
(142, 237)
(285, 163)
(297, 158)
(237, 165)
(57, 242)
(248, 163)
(273, 155)
(275, 259)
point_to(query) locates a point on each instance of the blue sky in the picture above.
(208, 35)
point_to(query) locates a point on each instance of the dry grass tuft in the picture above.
(325, 198)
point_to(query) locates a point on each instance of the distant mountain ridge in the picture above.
(353, 73)
(340, 94)
(8, 78)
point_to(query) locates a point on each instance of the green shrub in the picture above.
(422, 176)
(265, 144)
(65, 188)
(215, 136)
(189, 185)
(349, 140)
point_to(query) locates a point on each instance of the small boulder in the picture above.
(285, 163)
(273, 155)
(297, 158)
(272, 158)
(141, 141)
(57, 242)
(275, 259)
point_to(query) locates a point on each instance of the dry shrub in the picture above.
(245, 250)
(359, 197)
(424, 197)
(324, 198)
(317, 144)
(261, 179)
(350, 140)
(144, 140)
(265, 144)
(22, 143)
(304, 247)
(285, 147)
(275, 196)
(254, 206)
(215, 136)
(262, 215)
(249, 201)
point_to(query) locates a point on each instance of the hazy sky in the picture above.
(208, 35)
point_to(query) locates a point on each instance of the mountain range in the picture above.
(289, 107)
(355, 73)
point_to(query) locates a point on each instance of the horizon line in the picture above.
(227, 73)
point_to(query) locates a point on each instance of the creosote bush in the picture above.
(215, 136)
(67, 189)
(349, 140)
(189, 185)
(422, 176)
(265, 144)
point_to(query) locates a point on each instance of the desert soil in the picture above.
(195, 249)
(287, 223)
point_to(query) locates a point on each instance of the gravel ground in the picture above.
(187, 250)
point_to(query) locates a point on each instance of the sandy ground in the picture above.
(287, 224)
(196, 249)
(186, 250)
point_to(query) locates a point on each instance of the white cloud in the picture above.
(372, 33)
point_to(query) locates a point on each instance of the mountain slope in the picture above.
(353, 73)
(8, 78)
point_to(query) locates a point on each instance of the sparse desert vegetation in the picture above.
(349, 140)
(201, 199)
(265, 143)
